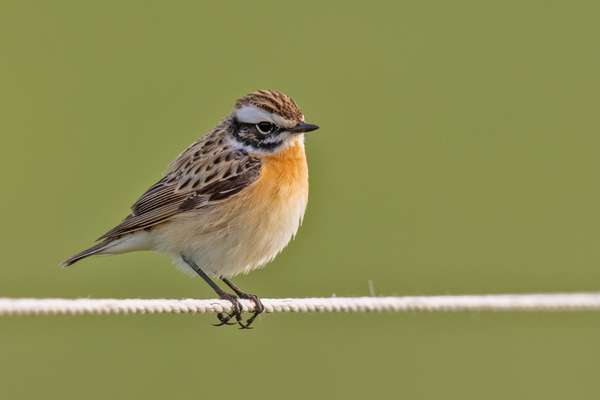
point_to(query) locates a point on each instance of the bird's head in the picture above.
(266, 122)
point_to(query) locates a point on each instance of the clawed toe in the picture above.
(258, 308)
(236, 310)
(224, 320)
(242, 326)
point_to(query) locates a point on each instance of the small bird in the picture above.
(229, 203)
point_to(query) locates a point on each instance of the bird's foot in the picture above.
(258, 308)
(236, 310)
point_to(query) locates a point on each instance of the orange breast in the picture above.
(284, 174)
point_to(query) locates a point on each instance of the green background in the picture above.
(458, 153)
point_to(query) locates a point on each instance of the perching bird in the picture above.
(229, 203)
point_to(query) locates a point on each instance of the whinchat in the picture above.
(229, 203)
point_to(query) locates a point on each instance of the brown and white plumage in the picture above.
(232, 200)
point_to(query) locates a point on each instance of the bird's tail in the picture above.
(86, 253)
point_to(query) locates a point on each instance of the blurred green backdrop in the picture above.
(458, 153)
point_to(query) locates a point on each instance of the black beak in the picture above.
(304, 127)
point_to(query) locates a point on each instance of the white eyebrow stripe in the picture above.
(286, 123)
(251, 115)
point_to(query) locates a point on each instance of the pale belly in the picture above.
(231, 240)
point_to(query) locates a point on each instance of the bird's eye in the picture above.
(265, 127)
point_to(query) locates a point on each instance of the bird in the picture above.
(229, 203)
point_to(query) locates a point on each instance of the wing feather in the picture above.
(206, 173)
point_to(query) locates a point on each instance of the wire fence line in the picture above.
(583, 301)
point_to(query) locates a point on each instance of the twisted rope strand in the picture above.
(500, 302)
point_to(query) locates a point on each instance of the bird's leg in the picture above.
(236, 305)
(258, 306)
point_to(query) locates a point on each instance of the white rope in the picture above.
(500, 302)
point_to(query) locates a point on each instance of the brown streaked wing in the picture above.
(168, 197)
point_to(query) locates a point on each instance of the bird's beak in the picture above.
(304, 127)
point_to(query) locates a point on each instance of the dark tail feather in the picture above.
(86, 253)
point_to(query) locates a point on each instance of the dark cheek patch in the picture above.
(249, 135)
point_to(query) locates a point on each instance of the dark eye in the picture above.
(265, 127)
